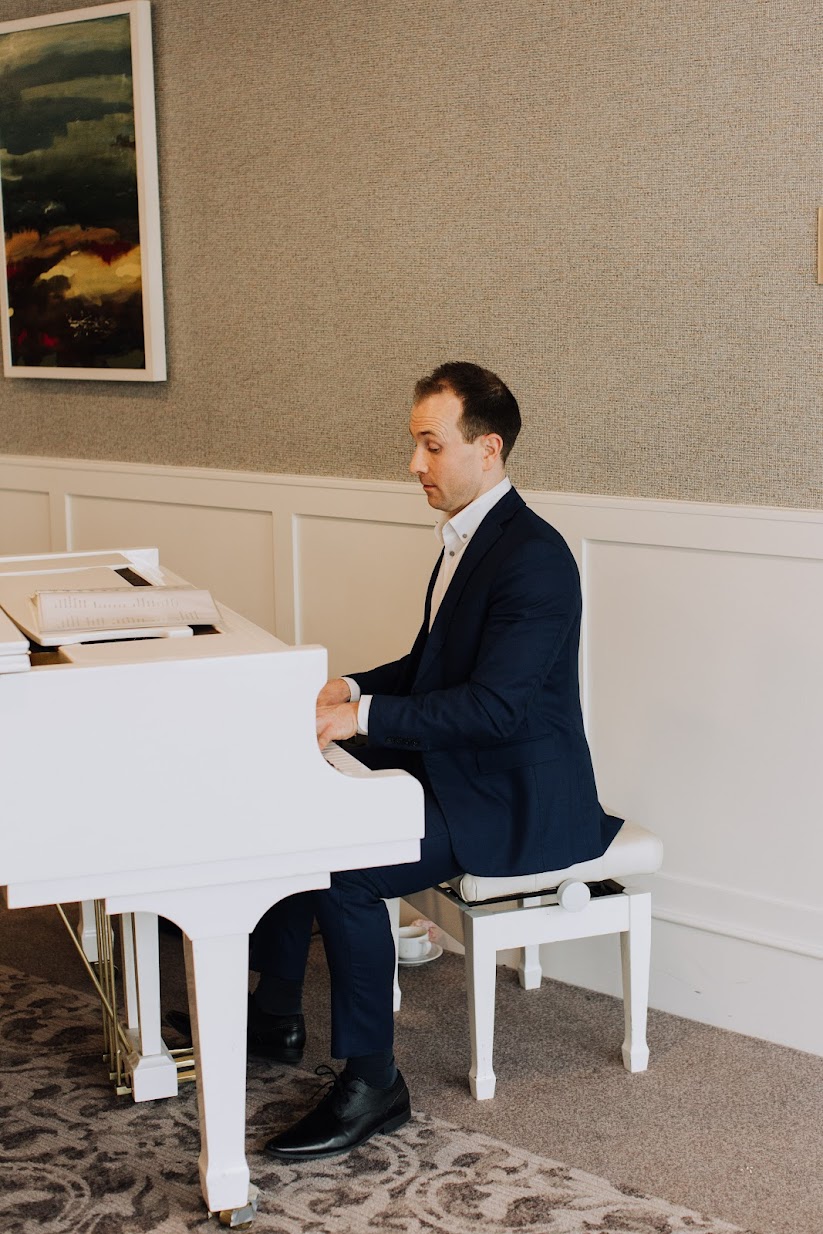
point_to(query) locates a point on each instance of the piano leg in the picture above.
(150, 1065)
(217, 976)
(87, 931)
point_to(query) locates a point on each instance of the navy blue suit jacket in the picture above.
(489, 699)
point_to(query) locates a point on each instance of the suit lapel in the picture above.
(416, 652)
(430, 591)
(489, 531)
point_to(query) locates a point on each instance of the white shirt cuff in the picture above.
(364, 702)
(363, 714)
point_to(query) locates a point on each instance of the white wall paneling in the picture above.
(702, 666)
(230, 551)
(357, 586)
(25, 525)
(703, 696)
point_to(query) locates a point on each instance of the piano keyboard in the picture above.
(343, 761)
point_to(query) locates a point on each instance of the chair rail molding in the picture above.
(702, 672)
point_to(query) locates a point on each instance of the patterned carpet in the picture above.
(74, 1159)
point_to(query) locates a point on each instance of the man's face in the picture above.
(453, 471)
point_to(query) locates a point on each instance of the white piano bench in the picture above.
(488, 915)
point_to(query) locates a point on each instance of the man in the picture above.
(485, 711)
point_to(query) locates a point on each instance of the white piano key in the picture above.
(343, 761)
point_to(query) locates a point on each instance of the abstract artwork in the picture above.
(82, 294)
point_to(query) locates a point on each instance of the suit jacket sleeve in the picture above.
(383, 680)
(531, 606)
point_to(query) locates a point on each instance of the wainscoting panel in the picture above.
(25, 522)
(229, 551)
(707, 708)
(702, 670)
(359, 587)
(703, 696)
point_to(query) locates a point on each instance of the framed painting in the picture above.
(82, 295)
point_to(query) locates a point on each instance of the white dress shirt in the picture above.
(454, 535)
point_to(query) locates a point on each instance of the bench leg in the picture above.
(635, 951)
(481, 973)
(530, 970)
(393, 909)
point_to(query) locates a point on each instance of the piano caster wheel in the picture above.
(241, 1218)
(229, 1217)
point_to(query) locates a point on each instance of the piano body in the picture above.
(179, 775)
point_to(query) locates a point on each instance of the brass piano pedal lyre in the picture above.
(103, 974)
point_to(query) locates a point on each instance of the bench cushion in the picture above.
(634, 850)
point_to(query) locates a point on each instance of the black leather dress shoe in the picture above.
(349, 1114)
(281, 1038)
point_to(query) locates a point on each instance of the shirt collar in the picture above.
(459, 529)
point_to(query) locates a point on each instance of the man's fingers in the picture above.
(333, 692)
(336, 723)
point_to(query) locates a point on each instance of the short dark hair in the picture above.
(488, 404)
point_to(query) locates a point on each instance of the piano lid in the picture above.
(63, 563)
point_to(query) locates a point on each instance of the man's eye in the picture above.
(434, 449)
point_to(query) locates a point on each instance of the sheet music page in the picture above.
(76, 612)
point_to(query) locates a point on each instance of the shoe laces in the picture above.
(330, 1079)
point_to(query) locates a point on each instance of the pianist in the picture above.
(484, 711)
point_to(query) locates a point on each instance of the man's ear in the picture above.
(492, 449)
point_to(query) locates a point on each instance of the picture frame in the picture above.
(82, 292)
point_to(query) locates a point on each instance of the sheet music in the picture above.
(18, 597)
(86, 612)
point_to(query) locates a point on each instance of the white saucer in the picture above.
(435, 951)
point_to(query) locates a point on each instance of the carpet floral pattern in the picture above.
(74, 1159)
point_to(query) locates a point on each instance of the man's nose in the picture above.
(417, 465)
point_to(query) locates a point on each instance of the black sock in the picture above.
(378, 1070)
(277, 996)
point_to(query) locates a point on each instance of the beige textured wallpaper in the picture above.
(611, 203)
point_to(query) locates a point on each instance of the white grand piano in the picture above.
(174, 770)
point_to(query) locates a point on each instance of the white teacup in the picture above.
(413, 942)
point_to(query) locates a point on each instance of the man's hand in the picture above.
(334, 692)
(336, 723)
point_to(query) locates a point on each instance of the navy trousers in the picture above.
(357, 936)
